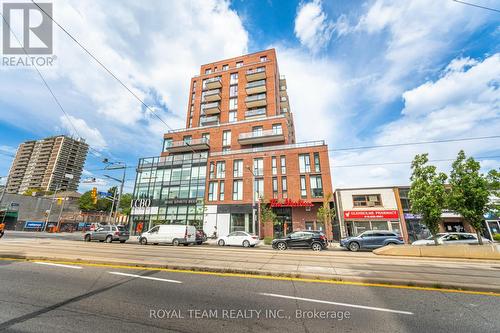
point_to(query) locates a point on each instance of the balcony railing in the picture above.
(210, 108)
(255, 112)
(213, 83)
(256, 87)
(278, 148)
(264, 136)
(211, 95)
(256, 101)
(256, 74)
(209, 120)
(188, 145)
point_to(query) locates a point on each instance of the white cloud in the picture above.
(463, 102)
(92, 135)
(312, 26)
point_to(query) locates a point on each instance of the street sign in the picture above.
(105, 194)
(33, 225)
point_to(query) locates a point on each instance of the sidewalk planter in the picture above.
(489, 251)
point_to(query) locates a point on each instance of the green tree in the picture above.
(85, 202)
(493, 178)
(469, 194)
(427, 193)
(326, 214)
(267, 215)
(125, 203)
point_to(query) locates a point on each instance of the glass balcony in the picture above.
(265, 136)
(210, 108)
(256, 74)
(188, 145)
(213, 120)
(213, 83)
(211, 95)
(255, 112)
(254, 101)
(256, 87)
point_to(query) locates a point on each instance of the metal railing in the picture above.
(256, 84)
(210, 105)
(191, 142)
(256, 70)
(259, 134)
(255, 97)
(211, 119)
(270, 148)
(211, 92)
(255, 112)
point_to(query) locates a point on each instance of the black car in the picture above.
(301, 239)
(201, 237)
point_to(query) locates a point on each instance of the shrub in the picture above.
(268, 240)
(496, 237)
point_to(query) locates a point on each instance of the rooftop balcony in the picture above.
(210, 108)
(256, 74)
(213, 83)
(256, 87)
(255, 101)
(213, 120)
(183, 146)
(264, 136)
(211, 95)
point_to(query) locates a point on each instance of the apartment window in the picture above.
(233, 90)
(226, 138)
(258, 166)
(193, 95)
(237, 168)
(225, 67)
(187, 139)
(257, 131)
(233, 116)
(239, 64)
(283, 165)
(221, 169)
(167, 143)
(277, 129)
(233, 78)
(238, 190)
(275, 188)
(206, 137)
(263, 58)
(233, 103)
(274, 165)
(212, 191)
(194, 85)
(366, 200)
(316, 186)
(190, 122)
(215, 69)
(204, 83)
(226, 149)
(208, 71)
(284, 187)
(317, 165)
(259, 188)
(212, 170)
(304, 163)
(303, 189)
(221, 191)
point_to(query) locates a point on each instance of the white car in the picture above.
(450, 238)
(239, 238)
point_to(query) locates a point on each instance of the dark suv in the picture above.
(301, 239)
(108, 233)
(371, 239)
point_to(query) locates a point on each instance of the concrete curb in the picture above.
(320, 278)
(458, 251)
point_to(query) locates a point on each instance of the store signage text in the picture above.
(290, 203)
(371, 214)
(141, 203)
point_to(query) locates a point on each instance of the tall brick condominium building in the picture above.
(239, 142)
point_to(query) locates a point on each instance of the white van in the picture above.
(174, 234)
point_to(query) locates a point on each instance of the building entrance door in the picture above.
(284, 225)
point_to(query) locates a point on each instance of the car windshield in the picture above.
(121, 228)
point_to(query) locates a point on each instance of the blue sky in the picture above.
(374, 72)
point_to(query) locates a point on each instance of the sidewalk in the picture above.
(327, 265)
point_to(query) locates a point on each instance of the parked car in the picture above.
(301, 239)
(174, 234)
(201, 237)
(108, 233)
(239, 238)
(371, 239)
(450, 238)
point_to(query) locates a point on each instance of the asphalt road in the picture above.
(49, 298)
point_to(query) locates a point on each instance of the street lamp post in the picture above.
(253, 200)
(117, 166)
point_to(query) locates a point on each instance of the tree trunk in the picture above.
(479, 237)
(434, 236)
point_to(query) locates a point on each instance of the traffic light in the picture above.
(93, 195)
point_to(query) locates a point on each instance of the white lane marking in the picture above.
(336, 303)
(57, 265)
(144, 277)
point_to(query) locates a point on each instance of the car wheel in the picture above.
(221, 242)
(122, 241)
(175, 242)
(281, 246)
(186, 244)
(353, 246)
(143, 241)
(316, 247)
(392, 243)
(88, 238)
(109, 239)
(199, 243)
(246, 243)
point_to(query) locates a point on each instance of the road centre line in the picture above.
(144, 277)
(57, 265)
(336, 303)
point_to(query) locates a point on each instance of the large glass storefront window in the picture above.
(241, 222)
(175, 186)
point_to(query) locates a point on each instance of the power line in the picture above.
(477, 6)
(408, 162)
(416, 143)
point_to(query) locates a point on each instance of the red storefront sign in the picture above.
(290, 203)
(371, 214)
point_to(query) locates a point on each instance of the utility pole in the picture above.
(60, 215)
(117, 166)
(253, 201)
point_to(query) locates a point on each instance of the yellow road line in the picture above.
(263, 277)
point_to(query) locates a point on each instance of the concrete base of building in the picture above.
(489, 251)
